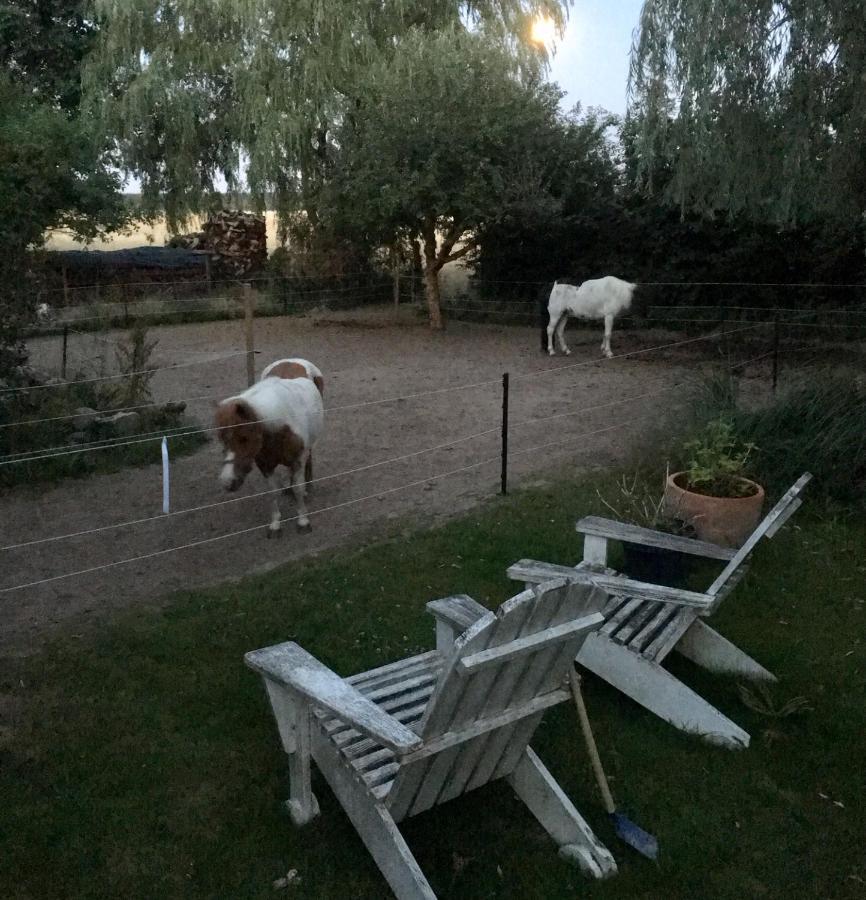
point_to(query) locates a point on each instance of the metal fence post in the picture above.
(775, 353)
(63, 361)
(504, 475)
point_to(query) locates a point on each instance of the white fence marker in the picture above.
(165, 478)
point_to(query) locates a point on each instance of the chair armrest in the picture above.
(634, 534)
(290, 665)
(459, 612)
(453, 616)
(627, 587)
(533, 571)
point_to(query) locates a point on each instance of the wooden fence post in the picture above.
(504, 474)
(395, 258)
(248, 333)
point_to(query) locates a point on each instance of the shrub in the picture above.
(39, 423)
(817, 426)
(133, 356)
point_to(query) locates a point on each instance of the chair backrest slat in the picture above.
(518, 667)
(783, 510)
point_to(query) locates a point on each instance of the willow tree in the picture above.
(250, 91)
(752, 107)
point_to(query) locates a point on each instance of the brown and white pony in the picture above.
(274, 423)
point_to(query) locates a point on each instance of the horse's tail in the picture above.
(544, 318)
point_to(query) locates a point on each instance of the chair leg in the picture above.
(293, 721)
(376, 828)
(653, 687)
(546, 800)
(706, 647)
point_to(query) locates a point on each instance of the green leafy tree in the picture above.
(755, 108)
(43, 44)
(252, 90)
(54, 172)
(449, 136)
(52, 175)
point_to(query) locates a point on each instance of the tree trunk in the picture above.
(431, 276)
(431, 292)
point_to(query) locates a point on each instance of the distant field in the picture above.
(156, 234)
(453, 278)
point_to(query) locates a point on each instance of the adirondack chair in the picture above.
(645, 622)
(397, 740)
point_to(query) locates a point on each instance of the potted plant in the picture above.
(636, 503)
(712, 493)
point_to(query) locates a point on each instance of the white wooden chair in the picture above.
(397, 740)
(645, 622)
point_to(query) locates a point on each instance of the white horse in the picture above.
(44, 313)
(274, 423)
(598, 298)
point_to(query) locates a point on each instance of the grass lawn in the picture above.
(148, 765)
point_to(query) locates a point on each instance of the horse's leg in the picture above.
(560, 333)
(275, 488)
(605, 344)
(551, 328)
(308, 474)
(298, 490)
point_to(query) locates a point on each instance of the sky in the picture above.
(591, 62)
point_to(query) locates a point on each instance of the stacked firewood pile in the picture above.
(236, 241)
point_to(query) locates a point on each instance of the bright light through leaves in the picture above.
(543, 30)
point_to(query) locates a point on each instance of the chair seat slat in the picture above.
(650, 629)
(368, 680)
(667, 638)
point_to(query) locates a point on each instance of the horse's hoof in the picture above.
(567, 352)
(306, 528)
(551, 353)
(274, 533)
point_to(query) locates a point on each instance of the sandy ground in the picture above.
(365, 357)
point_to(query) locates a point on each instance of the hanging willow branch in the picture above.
(246, 90)
(752, 106)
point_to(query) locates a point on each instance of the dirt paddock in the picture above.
(365, 357)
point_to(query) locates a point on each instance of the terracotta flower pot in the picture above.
(726, 521)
